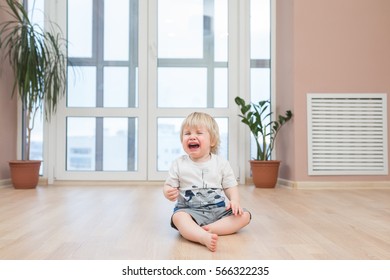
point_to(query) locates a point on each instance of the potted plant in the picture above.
(38, 60)
(258, 117)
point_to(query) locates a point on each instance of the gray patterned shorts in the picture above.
(205, 215)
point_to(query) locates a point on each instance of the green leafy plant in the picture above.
(38, 61)
(258, 118)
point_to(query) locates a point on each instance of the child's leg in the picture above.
(229, 225)
(193, 232)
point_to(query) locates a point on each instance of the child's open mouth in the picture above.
(193, 146)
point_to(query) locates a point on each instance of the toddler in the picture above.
(203, 186)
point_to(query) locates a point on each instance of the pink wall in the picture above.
(332, 46)
(8, 124)
(285, 85)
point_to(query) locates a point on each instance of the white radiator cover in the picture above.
(347, 134)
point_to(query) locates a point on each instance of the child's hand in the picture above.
(171, 193)
(236, 208)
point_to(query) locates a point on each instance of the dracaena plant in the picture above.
(38, 60)
(257, 116)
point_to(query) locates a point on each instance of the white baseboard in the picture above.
(286, 183)
(334, 184)
(43, 181)
(5, 183)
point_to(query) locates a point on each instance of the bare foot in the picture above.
(210, 241)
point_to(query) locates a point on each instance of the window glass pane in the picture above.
(36, 147)
(115, 144)
(260, 29)
(221, 88)
(80, 28)
(180, 28)
(116, 29)
(182, 87)
(260, 90)
(116, 93)
(81, 86)
(223, 124)
(119, 144)
(260, 84)
(136, 88)
(36, 10)
(80, 142)
(221, 30)
(169, 146)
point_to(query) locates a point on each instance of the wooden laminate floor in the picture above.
(132, 222)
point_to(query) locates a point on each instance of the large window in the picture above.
(137, 68)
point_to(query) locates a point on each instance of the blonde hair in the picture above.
(197, 119)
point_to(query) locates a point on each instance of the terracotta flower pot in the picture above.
(25, 173)
(265, 173)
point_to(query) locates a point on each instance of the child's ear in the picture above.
(213, 142)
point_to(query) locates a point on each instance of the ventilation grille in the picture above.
(347, 134)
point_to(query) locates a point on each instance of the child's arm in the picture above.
(234, 197)
(170, 193)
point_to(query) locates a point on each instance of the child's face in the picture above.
(196, 143)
